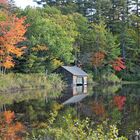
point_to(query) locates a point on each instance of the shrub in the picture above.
(76, 129)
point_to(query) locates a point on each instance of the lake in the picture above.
(116, 104)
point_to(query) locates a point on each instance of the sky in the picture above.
(24, 3)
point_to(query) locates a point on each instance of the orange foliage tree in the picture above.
(12, 30)
(98, 58)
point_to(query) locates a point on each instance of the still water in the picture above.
(120, 104)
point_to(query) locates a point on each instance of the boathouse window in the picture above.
(79, 80)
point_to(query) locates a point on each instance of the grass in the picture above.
(15, 82)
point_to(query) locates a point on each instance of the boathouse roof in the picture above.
(75, 70)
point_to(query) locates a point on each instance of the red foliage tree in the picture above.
(118, 64)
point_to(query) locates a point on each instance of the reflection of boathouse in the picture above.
(74, 94)
(73, 75)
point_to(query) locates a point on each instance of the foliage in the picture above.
(122, 21)
(99, 48)
(50, 39)
(77, 129)
(98, 58)
(103, 41)
(12, 30)
(118, 64)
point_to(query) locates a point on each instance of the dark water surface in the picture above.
(120, 104)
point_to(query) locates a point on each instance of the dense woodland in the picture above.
(101, 36)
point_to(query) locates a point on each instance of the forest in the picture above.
(101, 36)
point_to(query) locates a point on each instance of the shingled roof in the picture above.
(75, 70)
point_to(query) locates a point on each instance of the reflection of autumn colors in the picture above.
(9, 129)
(98, 108)
(3, 1)
(119, 101)
(9, 116)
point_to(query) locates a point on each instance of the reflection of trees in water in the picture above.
(121, 107)
(104, 89)
(131, 114)
(10, 98)
(119, 104)
(35, 110)
(98, 108)
(119, 101)
(131, 89)
(9, 128)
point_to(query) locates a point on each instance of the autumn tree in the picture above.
(12, 30)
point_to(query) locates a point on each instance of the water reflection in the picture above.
(76, 94)
(121, 107)
(10, 98)
(120, 104)
(9, 128)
